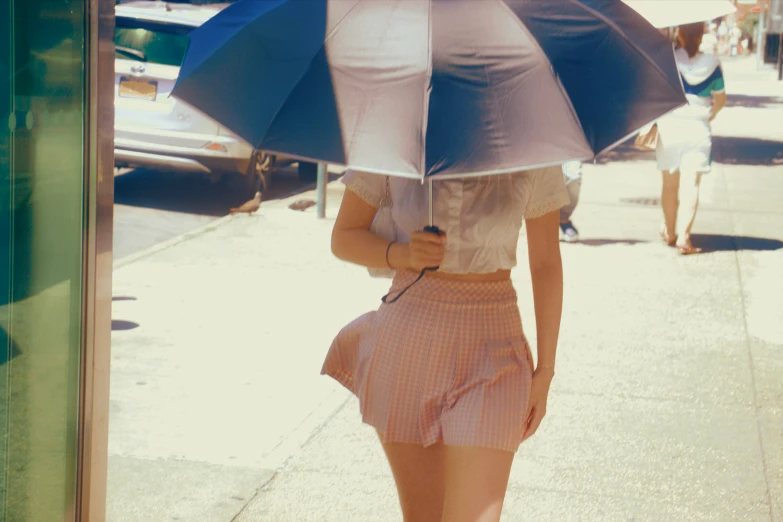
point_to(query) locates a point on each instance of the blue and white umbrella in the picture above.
(431, 88)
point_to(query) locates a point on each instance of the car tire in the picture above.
(259, 171)
(308, 171)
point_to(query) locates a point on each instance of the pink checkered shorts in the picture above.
(447, 362)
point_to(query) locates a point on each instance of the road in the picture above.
(152, 207)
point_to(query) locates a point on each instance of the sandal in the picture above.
(688, 249)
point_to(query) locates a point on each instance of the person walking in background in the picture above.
(684, 151)
(573, 180)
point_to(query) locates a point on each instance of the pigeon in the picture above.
(301, 204)
(249, 206)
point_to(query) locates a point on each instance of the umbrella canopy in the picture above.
(440, 88)
(671, 13)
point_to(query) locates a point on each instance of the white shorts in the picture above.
(684, 145)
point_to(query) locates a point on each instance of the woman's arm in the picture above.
(546, 271)
(718, 103)
(352, 240)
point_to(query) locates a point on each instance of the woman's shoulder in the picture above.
(699, 69)
(369, 187)
(702, 61)
(709, 60)
(681, 55)
(543, 190)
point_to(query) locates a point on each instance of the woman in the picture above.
(444, 373)
(684, 150)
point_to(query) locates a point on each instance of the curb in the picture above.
(154, 249)
(294, 442)
(281, 202)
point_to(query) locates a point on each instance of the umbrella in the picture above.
(672, 13)
(438, 88)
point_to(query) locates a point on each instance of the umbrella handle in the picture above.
(432, 229)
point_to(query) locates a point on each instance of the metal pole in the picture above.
(780, 56)
(430, 206)
(762, 35)
(320, 191)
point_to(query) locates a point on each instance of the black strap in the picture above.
(385, 299)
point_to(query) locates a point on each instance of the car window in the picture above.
(151, 42)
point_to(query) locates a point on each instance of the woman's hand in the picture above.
(536, 408)
(426, 250)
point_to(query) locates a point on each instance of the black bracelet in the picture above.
(388, 247)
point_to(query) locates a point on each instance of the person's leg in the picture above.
(689, 204)
(476, 481)
(669, 203)
(572, 171)
(419, 475)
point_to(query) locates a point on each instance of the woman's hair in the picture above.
(689, 37)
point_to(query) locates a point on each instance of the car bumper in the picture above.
(234, 158)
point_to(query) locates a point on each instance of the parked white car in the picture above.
(155, 130)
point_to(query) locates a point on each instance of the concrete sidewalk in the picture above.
(667, 405)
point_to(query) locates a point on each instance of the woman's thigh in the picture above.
(671, 180)
(476, 480)
(419, 474)
(690, 178)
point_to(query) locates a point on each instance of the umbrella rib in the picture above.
(608, 21)
(426, 98)
(625, 138)
(458, 175)
(506, 170)
(342, 20)
(363, 111)
(560, 86)
(310, 65)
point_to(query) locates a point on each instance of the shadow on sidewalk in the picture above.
(720, 243)
(120, 325)
(727, 150)
(625, 152)
(11, 348)
(604, 242)
(753, 102)
(195, 194)
(747, 151)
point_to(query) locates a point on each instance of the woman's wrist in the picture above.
(399, 256)
(545, 368)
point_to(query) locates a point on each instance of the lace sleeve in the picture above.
(369, 187)
(548, 192)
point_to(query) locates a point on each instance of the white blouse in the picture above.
(481, 216)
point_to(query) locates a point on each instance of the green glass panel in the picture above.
(42, 93)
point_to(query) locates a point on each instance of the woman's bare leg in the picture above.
(419, 475)
(689, 204)
(670, 203)
(476, 481)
